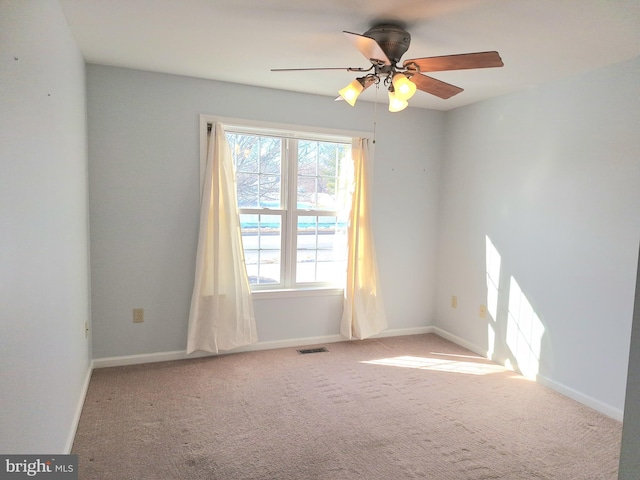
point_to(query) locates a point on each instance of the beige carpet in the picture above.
(416, 407)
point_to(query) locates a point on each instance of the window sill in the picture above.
(291, 293)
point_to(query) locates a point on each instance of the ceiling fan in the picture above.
(383, 45)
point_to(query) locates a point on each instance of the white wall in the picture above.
(44, 281)
(552, 177)
(144, 201)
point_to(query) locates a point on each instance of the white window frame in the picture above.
(292, 133)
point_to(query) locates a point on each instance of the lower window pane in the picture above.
(261, 239)
(321, 253)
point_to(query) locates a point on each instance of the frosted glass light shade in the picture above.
(404, 88)
(351, 92)
(396, 104)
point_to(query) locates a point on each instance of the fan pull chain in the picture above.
(375, 113)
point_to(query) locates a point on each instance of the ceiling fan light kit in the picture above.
(383, 45)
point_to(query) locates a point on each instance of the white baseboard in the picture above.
(294, 342)
(460, 341)
(610, 411)
(76, 418)
(399, 332)
(587, 400)
(182, 354)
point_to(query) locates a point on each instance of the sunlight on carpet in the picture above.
(424, 363)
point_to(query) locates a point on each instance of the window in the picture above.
(293, 198)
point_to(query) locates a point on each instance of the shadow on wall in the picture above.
(513, 322)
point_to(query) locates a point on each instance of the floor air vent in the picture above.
(312, 350)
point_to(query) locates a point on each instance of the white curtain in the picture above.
(221, 316)
(363, 313)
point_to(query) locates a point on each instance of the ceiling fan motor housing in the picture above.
(393, 39)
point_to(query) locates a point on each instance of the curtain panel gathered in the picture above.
(221, 316)
(363, 312)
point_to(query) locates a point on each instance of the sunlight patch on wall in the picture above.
(493, 262)
(441, 365)
(524, 332)
(491, 340)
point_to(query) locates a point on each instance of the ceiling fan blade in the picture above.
(348, 69)
(435, 87)
(457, 62)
(368, 47)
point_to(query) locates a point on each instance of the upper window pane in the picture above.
(322, 175)
(307, 191)
(244, 149)
(270, 155)
(258, 162)
(307, 157)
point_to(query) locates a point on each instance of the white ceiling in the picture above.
(241, 40)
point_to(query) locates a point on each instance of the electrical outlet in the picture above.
(483, 311)
(138, 315)
(454, 301)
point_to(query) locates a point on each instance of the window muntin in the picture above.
(293, 200)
